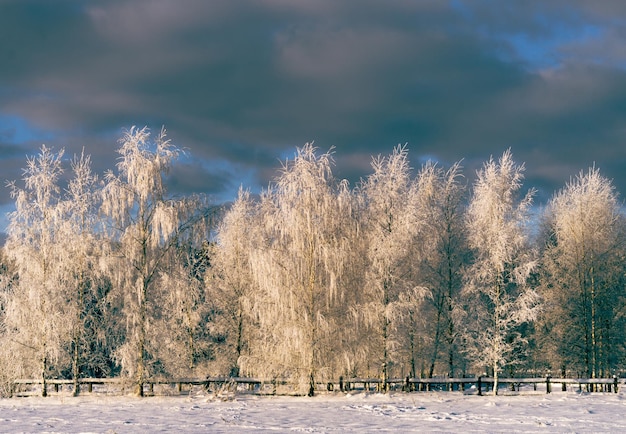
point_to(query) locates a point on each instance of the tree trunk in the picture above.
(385, 332)
(497, 329)
(190, 341)
(594, 344)
(450, 337)
(239, 347)
(44, 368)
(140, 373)
(141, 346)
(312, 316)
(412, 343)
(75, 367)
(495, 378)
(76, 338)
(311, 385)
(438, 325)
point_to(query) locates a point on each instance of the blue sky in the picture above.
(240, 84)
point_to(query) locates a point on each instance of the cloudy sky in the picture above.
(240, 84)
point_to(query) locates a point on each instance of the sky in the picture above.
(241, 84)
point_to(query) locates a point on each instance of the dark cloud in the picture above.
(192, 177)
(241, 84)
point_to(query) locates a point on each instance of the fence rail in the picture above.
(30, 387)
(481, 384)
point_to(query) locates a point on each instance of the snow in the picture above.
(332, 413)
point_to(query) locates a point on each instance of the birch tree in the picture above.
(183, 321)
(298, 267)
(35, 319)
(390, 225)
(231, 278)
(79, 253)
(11, 365)
(444, 254)
(584, 274)
(145, 226)
(497, 281)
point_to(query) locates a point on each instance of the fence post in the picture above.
(341, 383)
(479, 386)
(548, 386)
(615, 383)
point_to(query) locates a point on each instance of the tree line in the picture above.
(408, 273)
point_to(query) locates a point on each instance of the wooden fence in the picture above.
(478, 385)
(484, 384)
(32, 387)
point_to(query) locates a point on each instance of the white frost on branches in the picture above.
(146, 228)
(298, 266)
(35, 320)
(497, 281)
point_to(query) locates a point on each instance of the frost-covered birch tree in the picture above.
(10, 363)
(35, 317)
(231, 282)
(390, 226)
(184, 319)
(298, 267)
(444, 255)
(79, 252)
(584, 276)
(497, 281)
(146, 225)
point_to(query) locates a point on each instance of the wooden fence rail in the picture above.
(481, 384)
(29, 387)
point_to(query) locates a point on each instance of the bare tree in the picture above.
(498, 278)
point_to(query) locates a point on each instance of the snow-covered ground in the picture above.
(359, 412)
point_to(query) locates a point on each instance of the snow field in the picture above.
(333, 413)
